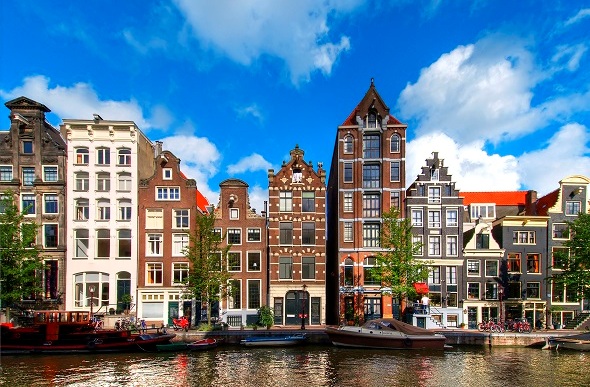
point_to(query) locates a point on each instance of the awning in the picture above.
(421, 287)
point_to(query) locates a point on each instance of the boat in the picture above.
(74, 332)
(578, 342)
(273, 341)
(386, 333)
(172, 347)
(201, 345)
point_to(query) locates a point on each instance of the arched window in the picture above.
(124, 156)
(395, 143)
(348, 272)
(82, 156)
(348, 142)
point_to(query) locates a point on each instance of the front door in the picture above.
(172, 312)
(297, 302)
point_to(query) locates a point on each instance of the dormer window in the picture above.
(373, 120)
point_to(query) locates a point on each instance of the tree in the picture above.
(397, 268)
(576, 260)
(19, 257)
(208, 276)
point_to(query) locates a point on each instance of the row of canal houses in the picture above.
(115, 213)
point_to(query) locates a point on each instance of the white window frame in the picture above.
(167, 193)
(154, 244)
(234, 213)
(434, 245)
(452, 245)
(182, 268)
(434, 194)
(397, 141)
(477, 265)
(449, 219)
(348, 202)
(434, 219)
(166, 173)
(485, 210)
(24, 207)
(103, 210)
(106, 156)
(180, 241)
(234, 253)
(56, 237)
(45, 196)
(154, 218)
(125, 210)
(573, 207)
(399, 171)
(124, 182)
(182, 215)
(417, 218)
(259, 268)
(6, 173)
(251, 231)
(285, 201)
(123, 155)
(81, 209)
(348, 233)
(50, 167)
(103, 182)
(82, 156)
(155, 267)
(233, 230)
(524, 237)
(79, 244)
(348, 144)
(418, 239)
(82, 181)
(488, 274)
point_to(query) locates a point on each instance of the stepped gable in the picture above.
(372, 99)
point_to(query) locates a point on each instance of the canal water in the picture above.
(304, 366)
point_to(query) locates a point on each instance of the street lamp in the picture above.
(501, 294)
(92, 289)
(303, 307)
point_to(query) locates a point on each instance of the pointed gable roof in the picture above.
(27, 104)
(372, 99)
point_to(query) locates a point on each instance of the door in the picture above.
(296, 302)
(421, 322)
(123, 288)
(315, 311)
(472, 317)
(172, 312)
(278, 311)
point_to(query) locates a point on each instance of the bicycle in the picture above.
(97, 323)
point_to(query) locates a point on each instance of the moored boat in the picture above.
(578, 342)
(73, 332)
(386, 334)
(273, 341)
(203, 344)
(172, 347)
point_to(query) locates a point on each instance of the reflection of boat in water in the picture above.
(386, 334)
(273, 341)
(73, 332)
(579, 342)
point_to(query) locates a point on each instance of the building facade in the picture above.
(33, 168)
(297, 242)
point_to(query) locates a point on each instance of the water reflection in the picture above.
(303, 366)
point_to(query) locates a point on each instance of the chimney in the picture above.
(158, 148)
(531, 203)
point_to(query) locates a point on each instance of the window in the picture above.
(234, 236)
(124, 242)
(347, 201)
(167, 193)
(285, 268)
(559, 258)
(473, 290)
(154, 244)
(513, 263)
(433, 194)
(417, 244)
(181, 218)
(179, 272)
(482, 241)
(452, 218)
(434, 245)
(348, 142)
(124, 210)
(434, 174)
(286, 233)
(369, 274)
(491, 291)
(307, 233)
(573, 207)
(28, 176)
(483, 210)
(253, 294)
(234, 213)
(491, 268)
(523, 237)
(82, 209)
(154, 218)
(217, 234)
(394, 199)
(124, 182)
(434, 275)
(254, 235)
(124, 156)
(28, 147)
(533, 290)
(254, 261)
(50, 235)
(103, 182)
(371, 121)
(154, 273)
(103, 243)
(451, 275)
(395, 142)
(81, 239)
(472, 268)
(179, 244)
(5, 172)
(234, 294)
(560, 231)
(234, 261)
(533, 263)
(103, 156)
(28, 204)
(371, 205)
(394, 171)
(103, 210)
(348, 172)
(434, 219)
(51, 204)
(417, 218)
(371, 176)
(308, 268)
(285, 201)
(452, 245)
(81, 181)
(82, 156)
(308, 201)
(513, 290)
(167, 173)
(371, 147)
(50, 173)
(348, 272)
(348, 236)
(371, 235)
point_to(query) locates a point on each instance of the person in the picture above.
(143, 326)
(425, 304)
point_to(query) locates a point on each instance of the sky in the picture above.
(500, 89)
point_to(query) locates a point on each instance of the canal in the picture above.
(305, 366)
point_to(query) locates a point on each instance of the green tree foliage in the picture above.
(576, 262)
(19, 257)
(208, 276)
(397, 268)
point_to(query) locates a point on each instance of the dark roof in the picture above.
(372, 99)
(26, 103)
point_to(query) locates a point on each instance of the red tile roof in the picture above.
(500, 198)
(202, 202)
(546, 202)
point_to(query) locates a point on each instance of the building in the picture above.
(435, 209)
(297, 241)
(33, 168)
(106, 161)
(167, 211)
(245, 230)
(367, 177)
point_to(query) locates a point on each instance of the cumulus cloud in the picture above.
(295, 32)
(258, 195)
(252, 163)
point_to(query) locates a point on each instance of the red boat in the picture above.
(200, 345)
(73, 332)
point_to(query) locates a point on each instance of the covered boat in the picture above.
(273, 341)
(579, 342)
(386, 334)
(73, 332)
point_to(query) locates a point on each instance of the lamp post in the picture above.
(501, 295)
(92, 289)
(303, 306)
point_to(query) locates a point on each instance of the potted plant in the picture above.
(266, 316)
(111, 311)
(462, 325)
(126, 301)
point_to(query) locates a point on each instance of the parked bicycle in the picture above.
(520, 325)
(490, 326)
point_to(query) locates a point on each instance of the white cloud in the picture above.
(251, 110)
(582, 14)
(571, 55)
(252, 163)
(296, 32)
(258, 195)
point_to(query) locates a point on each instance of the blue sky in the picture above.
(501, 89)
